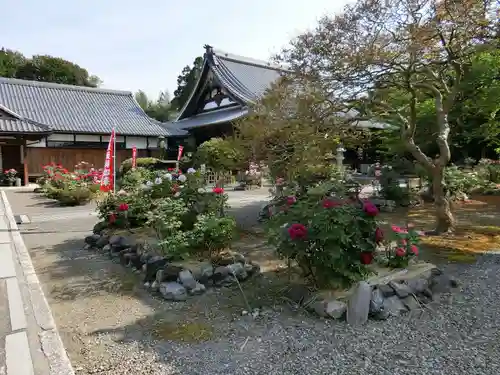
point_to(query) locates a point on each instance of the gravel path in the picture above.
(107, 326)
(460, 336)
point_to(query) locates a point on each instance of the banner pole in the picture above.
(114, 160)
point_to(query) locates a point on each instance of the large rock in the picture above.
(103, 241)
(168, 273)
(92, 239)
(393, 306)
(418, 285)
(152, 266)
(358, 306)
(226, 258)
(120, 242)
(335, 309)
(204, 273)
(376, 301)
(238, 271)
(401, 290)
(187, 279)
(198, 289)
(173, 291)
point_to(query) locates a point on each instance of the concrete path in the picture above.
(29, 341)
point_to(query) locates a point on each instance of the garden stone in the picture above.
(168, 273)
(99, 227)
(418, 285)
(228, 257)
(152, 267)
(172, 291)
(198, 289)
(335, 309)
(205, 273)
(377, 301)
(92, 239)
(238, 271)
(393, 306)
(106, 248)
(358, 305)
(252, 268)
(411, 303)
(386, 290)
(103, 241)
(120, 242)
(155, 286)
(221, 273)
(135, 261)
(125, 256)
(186, 278)
(319, 307)
(402, 290)
(440, 284)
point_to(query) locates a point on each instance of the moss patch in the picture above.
(184, 332)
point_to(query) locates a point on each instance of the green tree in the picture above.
(186, 82)
(10, 61)
(421, 48)
(44, 68)
(160, 109)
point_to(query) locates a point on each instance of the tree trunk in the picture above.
(445, 221)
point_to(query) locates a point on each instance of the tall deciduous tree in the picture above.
(160, 109)
(420, 47)
(186, 82)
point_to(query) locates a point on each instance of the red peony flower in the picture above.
(414, 250)
(297, 231)
(290, 200)
(370, 209)
(366, 257)
(123, 207)
(397, 229)
(112, 218)
(218, 190)
(379, 235)
(400, 252)
(329, 203)
(175, 188)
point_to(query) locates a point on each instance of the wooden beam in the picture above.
(24, 150)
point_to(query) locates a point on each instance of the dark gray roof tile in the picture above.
(212, 117)
(77, 109)
(13, 125)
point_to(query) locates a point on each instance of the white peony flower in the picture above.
(177, 194)
(158, 181)
(182, 178)
(122, 192)
(191, 170)
(168, 176)
(149, 183)
(201, 190)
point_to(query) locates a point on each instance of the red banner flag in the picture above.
(179, 154)
(107, 181)
(134, 157)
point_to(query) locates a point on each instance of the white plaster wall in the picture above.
(140, 142)
(42, 143)
(87, 138)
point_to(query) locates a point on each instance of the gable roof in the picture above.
(76, 109)
(12, 123)
(244, 78)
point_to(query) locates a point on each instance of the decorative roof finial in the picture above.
(208, 49)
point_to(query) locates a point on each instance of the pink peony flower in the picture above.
(379, 235)
(370, 209)
(123, 207)
(290, 200)
(297, 231)
(397, 229)
(414, 250)
(218, 190)
(400, 252)
(329, 203)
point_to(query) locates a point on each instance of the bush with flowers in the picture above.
(329, 237)
(401, 247)
(183, 214)
(70, 188)
(10, 176)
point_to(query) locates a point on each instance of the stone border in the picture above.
(51, 343)
(174, 281)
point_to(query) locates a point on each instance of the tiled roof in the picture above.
(8, 125)
(76, 109)
(213, 117)
(172, 128)
(246, 78)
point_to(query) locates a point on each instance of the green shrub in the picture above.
(74, 197)
(148, 163)
(390, 187)
(213, 233)
(133, 179)
(219, 155)
(325, 236)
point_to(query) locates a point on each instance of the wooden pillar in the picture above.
(24, 151)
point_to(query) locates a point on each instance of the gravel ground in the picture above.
(108, 326)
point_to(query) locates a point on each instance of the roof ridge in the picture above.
(61, 86)
(247, 60)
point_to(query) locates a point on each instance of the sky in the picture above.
(134, 45)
